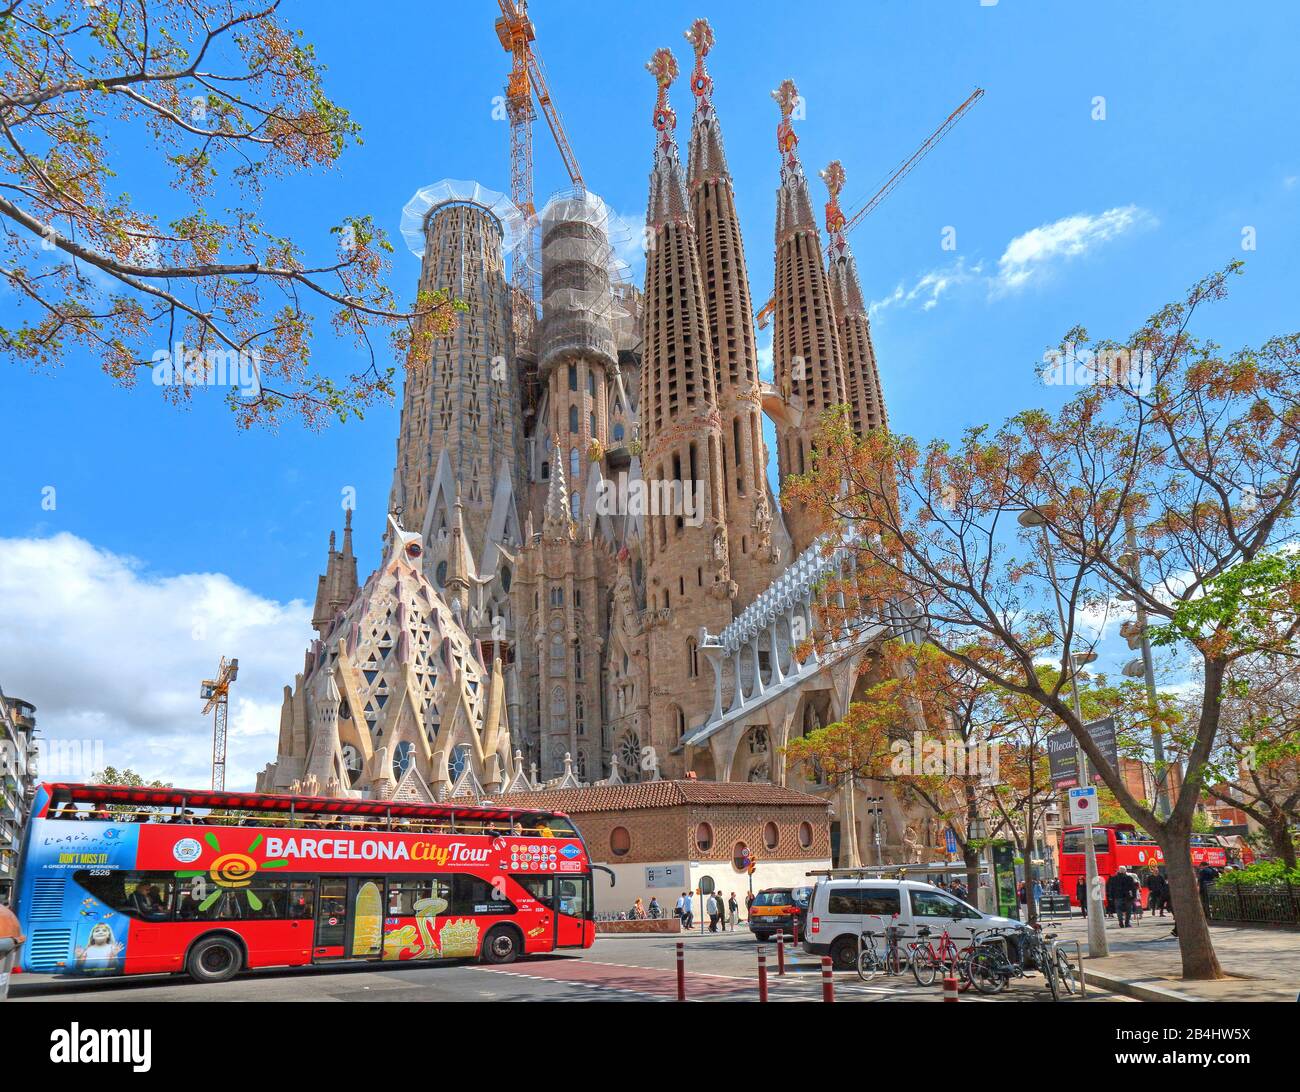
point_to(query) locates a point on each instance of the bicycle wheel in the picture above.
(962, 970)
(924, 966)
(986, 973)
(868, 964)
(1049, 973)
(1065, 972)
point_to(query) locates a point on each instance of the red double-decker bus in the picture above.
(116, 880)
(1123, 844)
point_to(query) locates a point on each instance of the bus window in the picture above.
(474, 895)
(143, 895)
(1072, 842)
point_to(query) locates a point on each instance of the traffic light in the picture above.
(747, 861)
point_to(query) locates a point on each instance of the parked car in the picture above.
(840, 909)
(779, 910)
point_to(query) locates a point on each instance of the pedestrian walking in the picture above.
(711, 908)
(733, 910)
(749, 903)
(1038, 896)
(688, 915)
(1081, 895)
(1126, 890)
(679, 909)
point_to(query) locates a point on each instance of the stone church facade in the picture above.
(580, 497)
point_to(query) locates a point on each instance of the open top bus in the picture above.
(119, 880)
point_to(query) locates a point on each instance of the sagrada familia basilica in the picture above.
(586, 576)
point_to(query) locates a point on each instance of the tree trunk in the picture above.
(1279, 837)
(971, 856)
(1194, 943)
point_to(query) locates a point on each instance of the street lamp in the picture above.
(1098, 948)
(1145, 667)
(875, 811)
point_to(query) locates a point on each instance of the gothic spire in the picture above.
(705, 158)
(861, 373)
(793, 205)
(667, 190)
(555, 524)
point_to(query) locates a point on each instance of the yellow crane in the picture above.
(901, 172)
(516, 33)
(216, 696)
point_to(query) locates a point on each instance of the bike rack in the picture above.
(1078, 960)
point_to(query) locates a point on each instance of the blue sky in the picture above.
(1058, 219)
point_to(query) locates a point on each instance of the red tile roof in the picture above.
(659, 794)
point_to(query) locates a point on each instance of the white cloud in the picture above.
(112, 655)
(766, 362)
(929, 287)
(1031, 255)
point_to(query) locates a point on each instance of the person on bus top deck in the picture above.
(517, 828)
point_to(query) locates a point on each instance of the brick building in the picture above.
(663, 837)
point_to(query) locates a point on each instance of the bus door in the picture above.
(350, 918)
(573, 906)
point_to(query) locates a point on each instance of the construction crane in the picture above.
(528, 78)
(216, 695)
(903, 170)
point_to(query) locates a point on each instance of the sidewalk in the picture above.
(1144, 961)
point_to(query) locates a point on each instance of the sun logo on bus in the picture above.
(231, 871)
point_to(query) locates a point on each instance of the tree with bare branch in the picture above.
(220, 99)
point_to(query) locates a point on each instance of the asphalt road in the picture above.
(720, 967)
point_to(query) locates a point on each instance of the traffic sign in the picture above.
(1083, 806)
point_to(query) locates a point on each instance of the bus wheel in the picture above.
(214, 959)
(501, 945)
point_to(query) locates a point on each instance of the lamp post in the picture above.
(1098, 948)
(1147, 667)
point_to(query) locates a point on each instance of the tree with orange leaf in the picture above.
(1011, 542)
(224, 99)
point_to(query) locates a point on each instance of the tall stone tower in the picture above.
(746, 501)
(865, 397)
(806, 352)
(559, 583)
(459, 427)
(688, 563)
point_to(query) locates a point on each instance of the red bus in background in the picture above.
(116, 880)
(1123, 844)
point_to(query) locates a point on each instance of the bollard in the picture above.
(828, 980)
(780, 954)
(681, 971)
(950, 988)
(762, 974)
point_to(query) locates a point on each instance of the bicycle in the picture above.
(871, 962)
(926, 959)
(990, 967)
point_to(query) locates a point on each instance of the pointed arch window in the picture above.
(559, 706)
(573, 465)
(557, 654)
(692, 658)
(573, 418)
(579, 717)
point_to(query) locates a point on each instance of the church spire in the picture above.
(732, 340)
(459, 566)
(336, 587)
(805, 346)
(706, 157)
(688, 567)
(555, 524)
(862, 376)
(667, 191)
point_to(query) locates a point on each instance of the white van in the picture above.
(840, 909)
